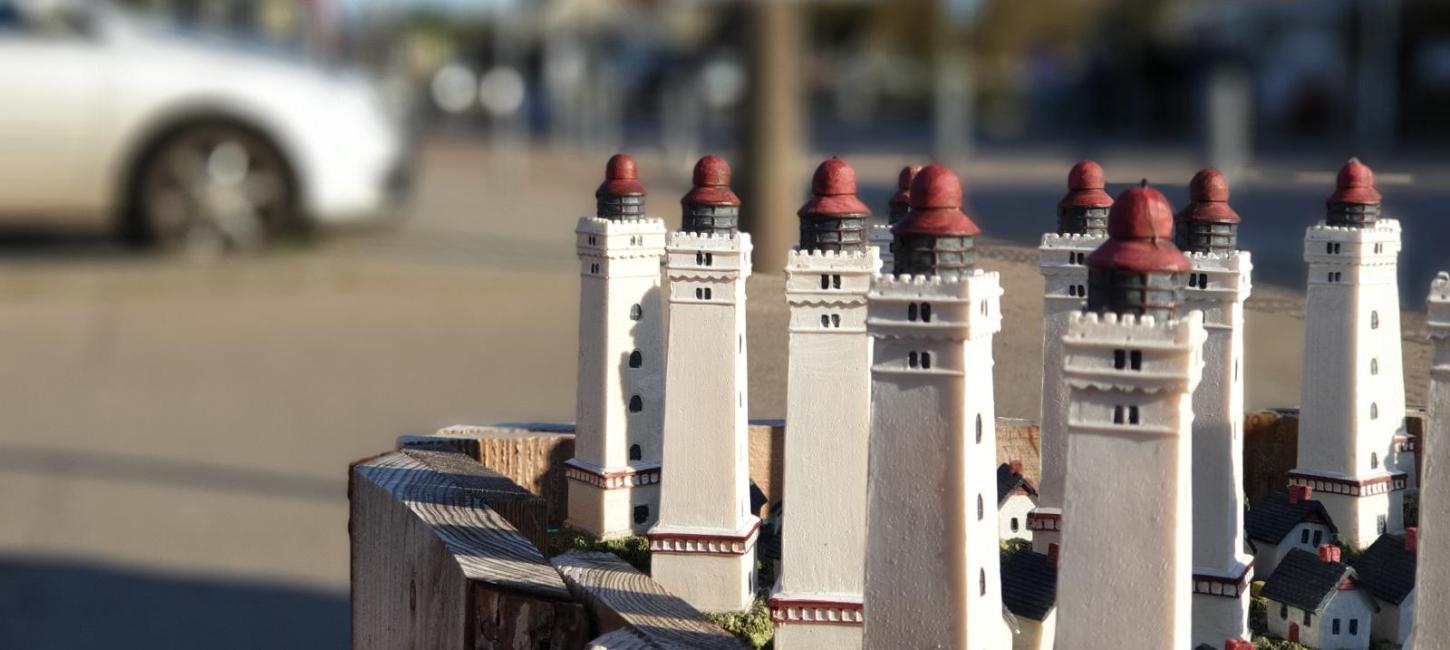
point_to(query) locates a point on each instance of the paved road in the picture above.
(174, 438)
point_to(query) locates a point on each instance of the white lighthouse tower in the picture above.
(1218, 284)
(817, 603)
(614, 474)
(1432, 577)
(1131, 363)
(1352, 405)
(932, 561)
(1082, 224)
(703, 549)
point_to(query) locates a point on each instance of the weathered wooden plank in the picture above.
(530, 454)
(619, 596)
(434, 567)
(525, 510)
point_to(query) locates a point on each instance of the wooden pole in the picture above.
(774, 140)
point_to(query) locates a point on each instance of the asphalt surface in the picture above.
(175, 437)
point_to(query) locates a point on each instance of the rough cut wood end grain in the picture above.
(530, 454)
(620, 597)
(433, 566)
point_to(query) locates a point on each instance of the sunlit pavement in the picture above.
(181, 432)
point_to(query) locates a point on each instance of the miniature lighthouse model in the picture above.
(1432, 578)
(879, 235)
(1131, 363)
(1353, 392)
(828, 398)
(1219, 282)
(614, 474)
(932, 562)
(1082, 224)
(703, 549)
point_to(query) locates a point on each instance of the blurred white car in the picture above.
(178, 139)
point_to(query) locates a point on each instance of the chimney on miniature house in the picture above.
(1238, 644)
(1412, 539)
(1300, 493)
(1016, 467)
(834, 219)
(900, 203)
(1084, 210)
(1355, 202)
(621, 196)
(1138, 271)
(936, 238)
(1207, 224)
(1052, 552)
(710, 207)
(1328, 553)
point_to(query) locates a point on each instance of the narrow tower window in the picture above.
(911, 312)
(1081, 290)
(636, 404)
(635, 453)
(825, 281)
(1072, 290)
(911, 359)
(835, 320)
(926, 312)
(1374, 320)
(835, 282)
(1374, 460)
(979, 428)
(636, 359)
(636, 312)
(1374, 411)
(1120, 359)
(1117, 415)
(1136, 360)
(981, 511)
(926, 360)
(1132, 415)
(825, 320)
(1374, 366)
(982, 581)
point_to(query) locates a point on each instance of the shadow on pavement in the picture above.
(54, 605)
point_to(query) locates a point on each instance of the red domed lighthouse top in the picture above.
(1208, 199)
(1355, 185)
(711, 184)
(621, 177)
(900, 202)
(1140, 235)
(936, 206)
(833, 192)
(1085, 185)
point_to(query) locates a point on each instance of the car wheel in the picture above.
(209, 190)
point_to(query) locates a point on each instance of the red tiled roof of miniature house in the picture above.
(833, 192)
